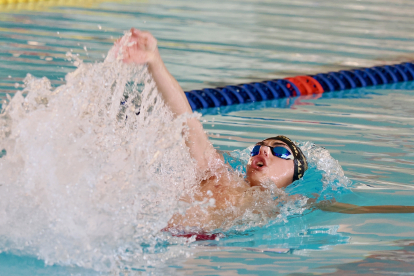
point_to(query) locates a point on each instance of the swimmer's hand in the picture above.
(141, 48)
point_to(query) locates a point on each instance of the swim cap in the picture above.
(301, 165)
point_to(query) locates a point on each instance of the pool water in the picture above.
(206, 44)
(370, 132)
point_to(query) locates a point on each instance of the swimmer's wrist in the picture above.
(155, 63)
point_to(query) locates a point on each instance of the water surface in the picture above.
(207, 44)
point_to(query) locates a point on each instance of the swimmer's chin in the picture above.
(264, 185)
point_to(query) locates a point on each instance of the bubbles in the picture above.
(86, 181)
(325, 178)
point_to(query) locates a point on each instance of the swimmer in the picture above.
(275, 161)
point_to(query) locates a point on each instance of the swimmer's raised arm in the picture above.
(142, 48)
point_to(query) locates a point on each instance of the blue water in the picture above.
(207, 44)
(370, 132)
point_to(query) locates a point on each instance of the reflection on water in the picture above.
(394, 258)
(48, 5)
(209, 43)
(387, 262)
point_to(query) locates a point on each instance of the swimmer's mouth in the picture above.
(258, 162)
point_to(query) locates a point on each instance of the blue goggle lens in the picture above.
(280, 152)
(255, 151)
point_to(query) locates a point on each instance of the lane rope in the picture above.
(300, 85)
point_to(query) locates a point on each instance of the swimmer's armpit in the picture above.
(346, 208)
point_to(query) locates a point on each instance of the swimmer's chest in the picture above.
(225, 189)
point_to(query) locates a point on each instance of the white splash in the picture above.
(333, 176)
(91, 182)
(84, 180)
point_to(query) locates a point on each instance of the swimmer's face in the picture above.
(265, 166)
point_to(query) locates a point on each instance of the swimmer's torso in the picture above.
(217, 202)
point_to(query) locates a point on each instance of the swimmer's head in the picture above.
(277, 159)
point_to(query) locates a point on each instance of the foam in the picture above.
(84, 180)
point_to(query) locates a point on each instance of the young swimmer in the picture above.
(276, 160)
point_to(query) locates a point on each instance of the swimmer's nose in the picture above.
(265, 150)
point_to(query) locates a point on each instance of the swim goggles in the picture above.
(280, 152)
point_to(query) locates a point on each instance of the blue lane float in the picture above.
(299, 85)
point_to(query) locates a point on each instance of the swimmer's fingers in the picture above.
(134, 55)
(143, 40)
(141, 48)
